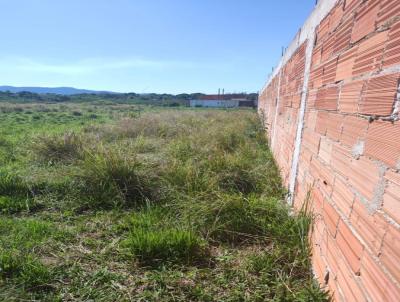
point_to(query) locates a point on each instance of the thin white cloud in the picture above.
(93, 65)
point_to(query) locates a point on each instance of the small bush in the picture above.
(17, 194)
(189, 177)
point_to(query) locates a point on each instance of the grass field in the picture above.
(128, 203)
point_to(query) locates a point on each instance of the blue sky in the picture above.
(143, 46)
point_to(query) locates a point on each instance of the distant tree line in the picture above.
(128, 98)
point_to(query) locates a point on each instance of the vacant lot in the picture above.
(121, 203)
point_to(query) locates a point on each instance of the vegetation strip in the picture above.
(129, 203)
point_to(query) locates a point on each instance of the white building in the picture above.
(214, 103)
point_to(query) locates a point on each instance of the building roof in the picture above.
(221, 97)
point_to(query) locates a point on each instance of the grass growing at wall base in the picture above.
(171, 205)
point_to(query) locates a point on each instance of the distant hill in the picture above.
(54, 90)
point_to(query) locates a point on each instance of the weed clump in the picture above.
(17, 194)
(12, 185)
(153, 243)
(51, 149)
(12, 205)
(165, 246)
(110, 178)
(239, 220)
(76, 113)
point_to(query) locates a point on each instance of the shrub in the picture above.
(222, 158)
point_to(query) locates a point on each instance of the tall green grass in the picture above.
(202, 201)
(111, 178)
(156, 237)
(20, 238)
(57, 148)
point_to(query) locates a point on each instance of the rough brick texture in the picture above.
(349, 145)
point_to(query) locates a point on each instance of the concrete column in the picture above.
(276, 112)
(300, 120)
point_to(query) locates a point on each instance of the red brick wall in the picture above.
(349, 145)
(290, 85)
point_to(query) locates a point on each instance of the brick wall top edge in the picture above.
(320, 11)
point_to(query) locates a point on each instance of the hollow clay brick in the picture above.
(376, 283)
(380, 95)
(388, 10)
(342, 196)
(370, 54)
(391, 198)
(327, 98)
(350, 246)
(391, 56)
(365, 22)
(383, 142)
(354, 130)
(390, 255)
(371, 227)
